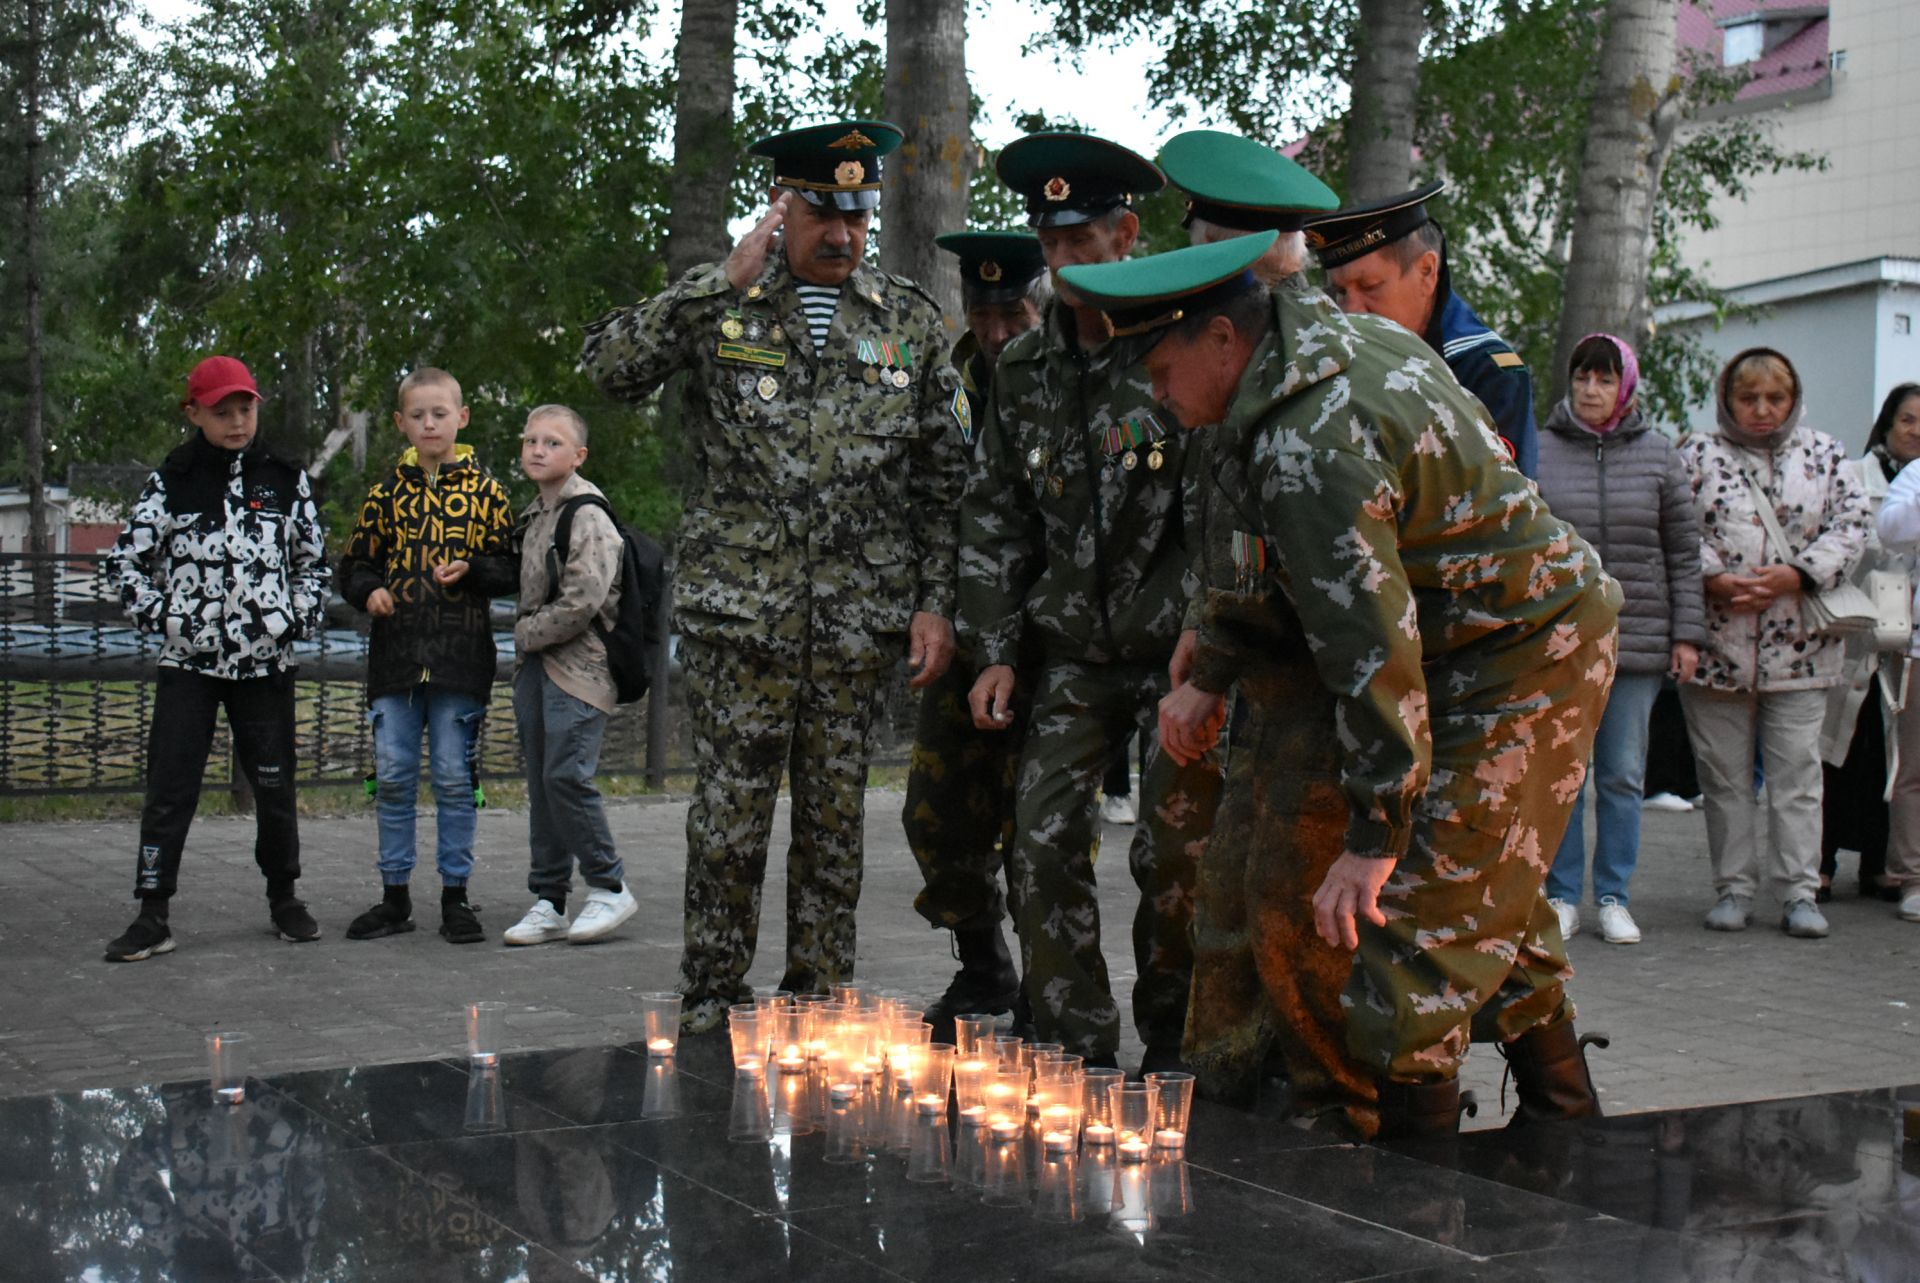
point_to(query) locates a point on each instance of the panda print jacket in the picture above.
(224, 560)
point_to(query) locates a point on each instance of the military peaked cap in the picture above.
(1140, 295)
(1242, 185)
(1074, 178)
(835, 164)
(1346, 235)
(995, 267)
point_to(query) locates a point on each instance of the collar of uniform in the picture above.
(1056, 335)
(965, 352)
(1310, 342)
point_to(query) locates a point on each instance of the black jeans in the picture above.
(260, 714)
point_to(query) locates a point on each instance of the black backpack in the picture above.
(633, 643)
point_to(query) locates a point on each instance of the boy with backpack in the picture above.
(431, 547)
(563, 687)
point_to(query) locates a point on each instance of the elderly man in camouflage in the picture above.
(1467, 637)
(815, 548)
(958, 814)
(1072, 538)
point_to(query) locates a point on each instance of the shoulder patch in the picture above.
(963, 414)
(1508, 360)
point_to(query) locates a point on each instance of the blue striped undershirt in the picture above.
(819, 302)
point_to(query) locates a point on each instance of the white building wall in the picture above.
(1865, 204)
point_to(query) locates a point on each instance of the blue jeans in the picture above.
(1618, 773)
(451, 721)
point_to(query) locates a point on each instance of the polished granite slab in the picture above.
(374, 1174)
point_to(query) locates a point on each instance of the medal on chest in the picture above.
(1249, 560)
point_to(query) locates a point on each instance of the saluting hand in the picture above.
(749, 257)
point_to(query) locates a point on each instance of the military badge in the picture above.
(1057, 189)
(767, 387)
(963, 414)
(852, 140)
(751, 355)
(901, 378)
(849, 172)
(732, 328)
(871, 374)
(990, 271)
(1249, 559)
(744, 382)
(1058, 486)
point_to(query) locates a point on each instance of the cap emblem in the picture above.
(853, 140)
(1056, 189)
(849, 172)
(990, 271)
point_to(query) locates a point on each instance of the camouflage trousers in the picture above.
(1264, 982)
(1080, 712)
(751, 719)
(1471, 949)
(959, 809)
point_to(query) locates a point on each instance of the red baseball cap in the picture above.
(216, 378)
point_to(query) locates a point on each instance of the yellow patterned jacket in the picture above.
(409, 524)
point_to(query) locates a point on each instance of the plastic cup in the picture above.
(227, 1066)
(660, 1017)
(1173, 1108)
(748, 1034)
(485, 1023)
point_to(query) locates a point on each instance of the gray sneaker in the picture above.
(1802, 918)
(1733, 913)
(1910, 907)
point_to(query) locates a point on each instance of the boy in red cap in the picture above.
(224, 560)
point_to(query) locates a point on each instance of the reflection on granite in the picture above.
(557, 1166)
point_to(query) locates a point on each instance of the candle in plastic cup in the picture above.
(1099, 1134)
(484, 1020)
(1172, 1106)
(660, 1017)
(227, 1067)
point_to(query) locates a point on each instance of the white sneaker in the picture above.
(542, 923)
(1569, 915)
(601, 915)
(1616, 924)
(1119, 810)
(1910, 907)
(1666, 802)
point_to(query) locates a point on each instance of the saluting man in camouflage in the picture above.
(815, 548)
(1466, 635)
(959, 808)
(1265, 985)
(1073, 539)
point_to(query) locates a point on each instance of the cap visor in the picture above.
(216, 395)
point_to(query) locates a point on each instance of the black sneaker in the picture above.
(147, 937)
(295, 924)
(458, 923)
(382, 919)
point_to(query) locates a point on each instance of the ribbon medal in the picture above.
(732, 328)
(1249, 559)
(1124, 439)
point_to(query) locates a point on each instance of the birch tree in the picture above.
(927, 179)
(1385, 84)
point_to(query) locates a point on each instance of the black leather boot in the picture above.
(1550, 1075)
(986, 984)
(1421, 1120)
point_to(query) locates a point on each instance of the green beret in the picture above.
(995, 267)
(1361, 229)
(1074, 178)
(1239, 184)
(1139, 295)
(835, 164)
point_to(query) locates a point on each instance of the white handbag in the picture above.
(1892, 593)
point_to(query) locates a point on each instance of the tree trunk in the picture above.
(34, 430)
(927, 179)
(1630, 126)
(1386, 78)
(703, 155)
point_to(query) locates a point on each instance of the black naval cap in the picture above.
(995, 267)
(1346, 235)
(1242, 185)
(1074, 178)
(836, 164)
(1142, 295)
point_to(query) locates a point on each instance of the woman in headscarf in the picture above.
(1763, 677)
(1604, 468)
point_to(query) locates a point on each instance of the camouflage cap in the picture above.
(1074, 178)
(836, 164)
(995, 267)
(1140, 295)
(1361, 229)
(1242, 185)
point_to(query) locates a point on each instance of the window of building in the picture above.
(1743, 42)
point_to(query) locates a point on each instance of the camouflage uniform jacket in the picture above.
(1059, 537)
(822, 508)
(1431, 581)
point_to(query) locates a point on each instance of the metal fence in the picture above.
(76, 697)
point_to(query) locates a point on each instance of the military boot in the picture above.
(1422, 1120)
(1549, 1067)
(986, 984)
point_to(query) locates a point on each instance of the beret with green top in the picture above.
(1342, 237)
(995, 267)
(1242, 185)
(836, 164)
(1140, 295)
(1074, 178)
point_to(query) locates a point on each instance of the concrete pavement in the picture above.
(1696, 1017)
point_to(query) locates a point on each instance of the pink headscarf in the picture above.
(1629, 379)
